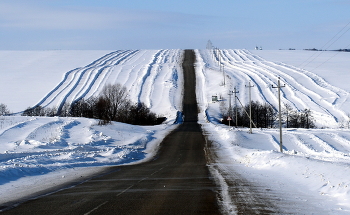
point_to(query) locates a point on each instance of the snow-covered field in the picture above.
(304, 90)
(330, 65)
(313, 172)
(151, 77)
(26, 76)
(312, 175)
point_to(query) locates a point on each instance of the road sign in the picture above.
(229, 118)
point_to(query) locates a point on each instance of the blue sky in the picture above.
(158, 24)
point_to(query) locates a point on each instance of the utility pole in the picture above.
(235, 92)
(279, 110)
(230, 93)
(218, 56)
(223, 72)
(212, 51)
(209, 45)
(250, 106)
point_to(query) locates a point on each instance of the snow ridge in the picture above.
(303, 89)
(149, 75)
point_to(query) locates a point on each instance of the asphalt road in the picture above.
(177, 181)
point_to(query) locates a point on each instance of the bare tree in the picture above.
(3, 110)
(287, 111)
(114, 96)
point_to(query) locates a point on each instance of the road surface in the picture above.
(177, 181)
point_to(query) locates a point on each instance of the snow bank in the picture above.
(317, 181)
(34, 149)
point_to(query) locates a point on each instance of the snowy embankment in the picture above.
(37, 153)
(312, 175)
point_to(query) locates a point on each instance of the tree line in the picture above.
(297, 119)
(265, 116)
(111, 105)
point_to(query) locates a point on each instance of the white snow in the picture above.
(312, 175)
(26, 76)
(48, 149)
(333, 66)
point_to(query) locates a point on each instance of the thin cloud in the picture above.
(35, 17)
(24, 16)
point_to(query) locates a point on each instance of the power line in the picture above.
(336, 35)
(327, 48)
(246, 112)
(323, 47)
(328, 59)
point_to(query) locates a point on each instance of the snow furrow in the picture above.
(309, 84)
(268, 80)
(149, 70)
(68, 97)
(59, 89)
(303, 90)
(59, 95)
(101, 73)
(338, 143)
(164, 81)
(137, 70)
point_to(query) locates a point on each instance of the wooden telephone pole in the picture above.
(279, 110)
(236, 111)
(230, 93)
(250, 106)
(223, 72)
